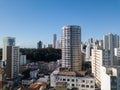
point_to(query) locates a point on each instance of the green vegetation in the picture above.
(45, 54)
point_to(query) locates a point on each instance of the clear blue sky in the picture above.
(33, 20)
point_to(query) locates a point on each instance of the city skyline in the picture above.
(30, 21)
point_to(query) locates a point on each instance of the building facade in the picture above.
(110, 78)
(99, 57)
(71, 47)
(81, 83)
(12, 63)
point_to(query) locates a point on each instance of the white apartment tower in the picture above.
(99, 57)
(71, 47)
(7, 41)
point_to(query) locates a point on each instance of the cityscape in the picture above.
(67, 58)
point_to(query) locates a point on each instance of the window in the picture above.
(72, 80)
(82, 85)
(83, 80)
(76, 84)
(87, 86)
(68, 79)
(76, 80)
(64, 79)
(92, 86)
(73, 85)
(91, 81)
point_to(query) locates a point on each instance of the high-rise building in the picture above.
(71, 47)
(99, 57)
(110, 42)
(39, 45)
(54, 40)
(12, 62)
(7, 41)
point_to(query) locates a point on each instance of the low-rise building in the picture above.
(81, 82)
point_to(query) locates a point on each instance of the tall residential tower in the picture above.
(71, 47)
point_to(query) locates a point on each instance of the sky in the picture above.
(33, 20)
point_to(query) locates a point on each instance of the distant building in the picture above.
(50, 46)
(12, 63)
(54, 40)
(39, 45)
(7, 41)
(110, 78)
(58, 44)
(71, 47)
(90, 40)
(22, 59)
(110, 42)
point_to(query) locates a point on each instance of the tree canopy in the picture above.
(44, 54)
